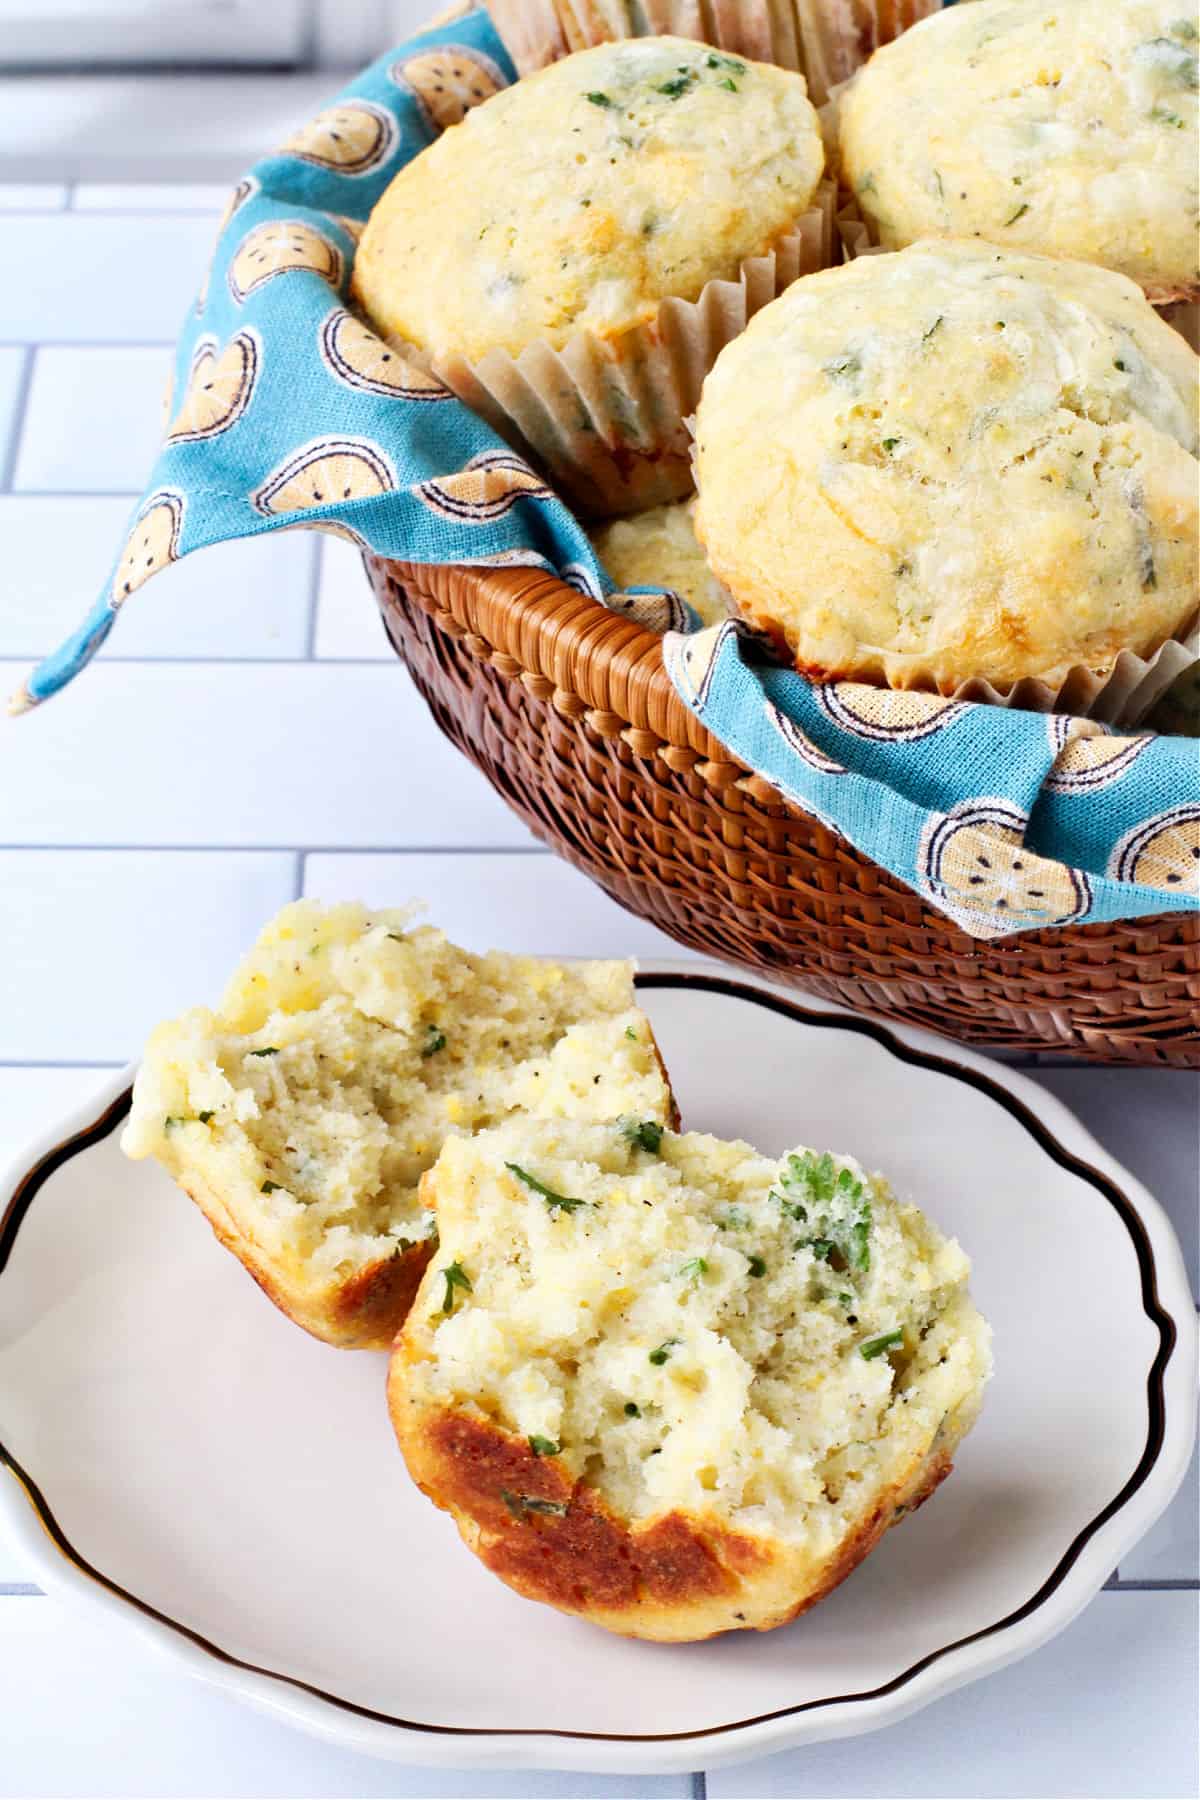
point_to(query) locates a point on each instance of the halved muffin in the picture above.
(670, 1384)
(301, 1115)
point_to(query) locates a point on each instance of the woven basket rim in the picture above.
(534, 620)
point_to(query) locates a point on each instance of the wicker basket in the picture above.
(569, 713)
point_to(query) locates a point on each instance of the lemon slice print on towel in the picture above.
(245, 190)
(153, 542)
(447, 82)
(1088, 756)
(886, 715)
(974, 864)
(801, 743)
(352, 138)
(280, 247)
(327, 472)
(692, 660)
(1163, 852)
(353, 354)
(484, 490)
(219, 388)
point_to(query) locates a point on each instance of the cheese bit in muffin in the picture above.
(302, 1114)
(954, 461)
(737, 1415)
(1063, 126)
(581, 198)
(659, 548)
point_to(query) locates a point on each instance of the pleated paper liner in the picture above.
(604, 418)
(826, 40)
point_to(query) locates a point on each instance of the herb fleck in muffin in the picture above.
(954, 462)
(659, 549)
(302, 1114)
(672, 1385)
(562, 215)
(1062, 126)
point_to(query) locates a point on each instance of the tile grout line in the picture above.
(12, 449)
(165, 849)
(40, 343)
(51, 1062)
(299, 868)
(314, 601)
(228, 662)
(699, 1785)
(10, 1590)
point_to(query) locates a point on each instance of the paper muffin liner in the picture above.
(605, 417)
(826, 40)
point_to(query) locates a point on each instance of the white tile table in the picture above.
(246, 737)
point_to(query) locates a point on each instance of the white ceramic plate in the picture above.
(181, 1456)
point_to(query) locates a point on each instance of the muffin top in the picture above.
(580, 198)
(954, 461)
(1062, 126)
(659, 548)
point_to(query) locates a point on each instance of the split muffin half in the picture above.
(672, 1385)
(303, 1112)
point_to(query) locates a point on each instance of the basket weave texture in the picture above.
(568, 711)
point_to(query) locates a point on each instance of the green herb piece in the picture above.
(845, 369)
(1118, 364)
(631, 1033)
(658, 1357)
(1161, 116)
(678, 84)
(757, 1267)
(925, 336)
(693, 1270)
(646, 1134)
(398, 937)
(822, 1248)
(845, 1299)
(1019, 214)
(204, 1117)
(556, 1202)
(889, 444)
(435, 1040)
(271, 1050)
(454, 1276)
(521, 1505)
(599, 99)
(729, 83)
(876, 1346)
(832, 1203)
(270, 1187)
(725, 62)
(632, 1411)
(542, 1446)
(171, 1121)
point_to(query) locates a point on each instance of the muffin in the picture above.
(659, 549)
(671, 1385)
(1062, 126)
(825, 42)
(553, 258)
(301, 1115)
(955, 462)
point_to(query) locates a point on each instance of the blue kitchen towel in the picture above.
(287, 412)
